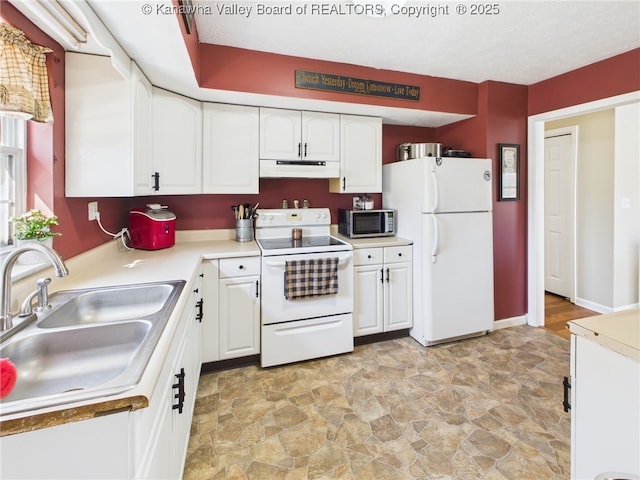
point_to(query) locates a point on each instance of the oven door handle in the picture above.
(341, 262)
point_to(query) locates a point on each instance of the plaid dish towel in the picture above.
(310, 278)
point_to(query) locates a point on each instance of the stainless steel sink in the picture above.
(72, 360)
(108, 305)
(92, 343)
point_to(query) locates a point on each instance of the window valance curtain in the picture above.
(24, 82)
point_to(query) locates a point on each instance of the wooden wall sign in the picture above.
(355, 86)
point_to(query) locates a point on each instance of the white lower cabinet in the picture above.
(383, 295)
(605, 411)
(149, 443)
(233, 331)
(161, 431)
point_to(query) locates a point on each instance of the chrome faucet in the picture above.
(59, 267)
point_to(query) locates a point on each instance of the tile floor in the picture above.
(486, 408)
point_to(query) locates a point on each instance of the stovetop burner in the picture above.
(305, 242)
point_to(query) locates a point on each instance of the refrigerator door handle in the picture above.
(436, 239)
(436, 193)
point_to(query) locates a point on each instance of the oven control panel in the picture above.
(281, 217)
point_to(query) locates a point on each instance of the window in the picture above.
(13, 175)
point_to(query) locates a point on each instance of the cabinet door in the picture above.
(368, 300)
(141, 98)
(605, 390)
(177, 143)
(98, 159)
(230, 153)
(188, 366)
(239, 316)
(398, 301)
(280, 134)
(210, 307)
(360, 155)
(320, 136)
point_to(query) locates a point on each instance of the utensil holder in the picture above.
(244, 230)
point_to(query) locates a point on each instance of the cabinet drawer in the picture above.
(239, 267)
(367, 256)
(398, 254)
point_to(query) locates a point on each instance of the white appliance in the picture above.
(298, 329)
(444, 205)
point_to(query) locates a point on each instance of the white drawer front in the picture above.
(367, 256)
(239, 267)
(306, 339)
(398, 254)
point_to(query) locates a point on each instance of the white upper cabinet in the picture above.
(360, 155)
(320, 136)
(295, 135)
(280, 134)
(177, 144)
(230, 162)
(107, 127)
(141, 97)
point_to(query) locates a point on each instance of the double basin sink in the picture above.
(91, 343)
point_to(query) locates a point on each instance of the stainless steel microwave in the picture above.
(366, 223)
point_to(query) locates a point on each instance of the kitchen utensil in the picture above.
(253, 210)
(419, 150)
(240, 212)
(402, 152)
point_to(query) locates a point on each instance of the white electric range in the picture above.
(319, 325)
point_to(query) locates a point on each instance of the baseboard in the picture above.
(510, 322)
(380, 337)
(596, 307)
(626, 307)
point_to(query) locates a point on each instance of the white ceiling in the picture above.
(524, 43)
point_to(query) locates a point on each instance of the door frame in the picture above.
(573, 131)
(535, 198)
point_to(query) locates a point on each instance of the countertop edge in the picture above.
(616, 331)
(71, 414)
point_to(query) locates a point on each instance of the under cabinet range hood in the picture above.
(299, 169)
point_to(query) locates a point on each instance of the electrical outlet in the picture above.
(93, 210)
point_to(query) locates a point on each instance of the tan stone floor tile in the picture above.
(488, 408)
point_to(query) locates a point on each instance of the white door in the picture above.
(230, 148)
(321, 136)
(360, 155)
(457, 269)
(177, 143)
(367, 299)
(280, 309)
(280, 132)
(239, 316)
(398, 300)
(559, 208)
(456, 184)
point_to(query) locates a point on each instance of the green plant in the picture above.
(34, 225)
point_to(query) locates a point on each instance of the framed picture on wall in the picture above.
(509, 155)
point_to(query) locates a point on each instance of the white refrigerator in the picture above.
(444, 205)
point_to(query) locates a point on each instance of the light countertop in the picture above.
(374, 242)
(618, 331)
(110, 264)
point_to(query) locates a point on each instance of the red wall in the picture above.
(236, 69)
(608, 78)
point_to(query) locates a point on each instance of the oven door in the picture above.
(276, 308)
